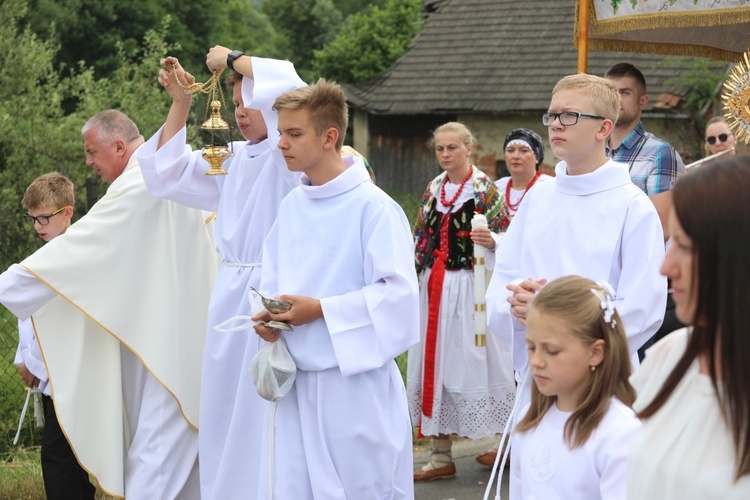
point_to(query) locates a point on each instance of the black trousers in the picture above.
(670, 324)
(64, 478)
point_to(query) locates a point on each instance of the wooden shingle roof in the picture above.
(493, 56)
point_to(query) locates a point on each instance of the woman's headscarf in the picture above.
(528, 138)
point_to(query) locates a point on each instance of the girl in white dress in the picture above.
(573, 439)
(694, 385)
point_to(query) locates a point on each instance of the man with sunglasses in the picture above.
(121, 337)
(654, 164)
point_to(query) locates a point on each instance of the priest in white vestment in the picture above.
(246, 201)
(119, 306)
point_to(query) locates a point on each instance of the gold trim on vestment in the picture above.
(179, 404)
(62, 428)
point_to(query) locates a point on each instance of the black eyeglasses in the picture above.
(42, 219)
(712, 139)
(567, 119)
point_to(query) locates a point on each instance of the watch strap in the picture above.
(232, 56)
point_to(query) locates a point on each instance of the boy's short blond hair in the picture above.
(604, 95)
(326, 103)
(53, 189)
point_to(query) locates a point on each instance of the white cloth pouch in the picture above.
(274, 370)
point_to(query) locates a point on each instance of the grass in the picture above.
(21, 476)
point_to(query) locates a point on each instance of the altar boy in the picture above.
(341, 252)
(590, 220)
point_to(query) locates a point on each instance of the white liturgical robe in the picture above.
(343, 430)
(246, 201)
(136, 272)
(597, 225)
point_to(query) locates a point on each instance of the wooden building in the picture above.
(490, 64)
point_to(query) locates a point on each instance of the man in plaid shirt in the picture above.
(654, 164)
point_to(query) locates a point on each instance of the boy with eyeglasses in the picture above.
(49, 201)
(590, 220)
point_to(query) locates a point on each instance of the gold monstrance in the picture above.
(736, 99)
(217, 147)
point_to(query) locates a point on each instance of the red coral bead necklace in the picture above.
(452, 201)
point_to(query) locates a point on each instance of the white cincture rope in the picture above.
(241, 264)
(38, 410)
(506, 450)
(271, 448)
(238, 328)
(29, 391)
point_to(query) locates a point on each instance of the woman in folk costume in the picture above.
(454, 386)
(524, 153)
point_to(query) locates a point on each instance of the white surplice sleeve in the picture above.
(500, 320)
(371, 326)
(22, 293)
(175, 172)
(641, 288)
(30, 353)
(25, 338)
(271, 78)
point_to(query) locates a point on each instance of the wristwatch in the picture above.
(231, 58)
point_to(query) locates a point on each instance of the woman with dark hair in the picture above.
(524, 153)
(694, 385)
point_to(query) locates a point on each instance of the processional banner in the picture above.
(719, 29)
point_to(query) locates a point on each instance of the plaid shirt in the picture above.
(654, 165)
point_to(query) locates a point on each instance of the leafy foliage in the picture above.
(307, 25)
(95, 31)
(699, 82)
(370, 42)
(41, 114)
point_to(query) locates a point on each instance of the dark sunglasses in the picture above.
(712, 139)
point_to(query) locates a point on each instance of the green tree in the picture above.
(349, 7)
(307, 25)
(245, 27)
(92, 30)
(370, 42)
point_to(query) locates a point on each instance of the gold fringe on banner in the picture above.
(684, 19)
(660, 20)
(671, 49)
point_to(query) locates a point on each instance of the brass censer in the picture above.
(217, 135)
